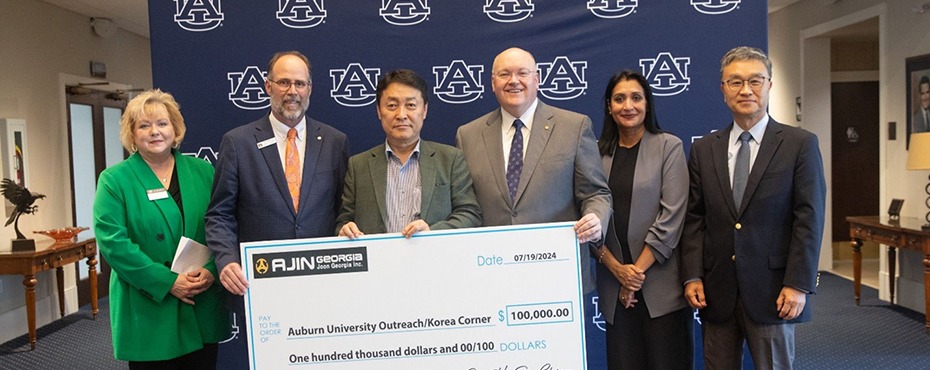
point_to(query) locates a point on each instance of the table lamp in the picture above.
(918, 158)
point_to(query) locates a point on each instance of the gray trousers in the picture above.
(771, 346)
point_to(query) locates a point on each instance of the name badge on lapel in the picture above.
(269, 142)
(156, 194)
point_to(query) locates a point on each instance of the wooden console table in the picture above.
(904, 233)
(50, 254)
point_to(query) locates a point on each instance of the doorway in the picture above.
(94, 145)
(823, 66)
(855, 127)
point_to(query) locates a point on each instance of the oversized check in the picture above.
(482, 299)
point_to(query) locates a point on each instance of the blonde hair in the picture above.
(145, 104)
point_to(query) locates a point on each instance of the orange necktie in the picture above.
(292, 167)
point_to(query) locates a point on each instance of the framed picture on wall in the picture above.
(918, 95)
(13, 147)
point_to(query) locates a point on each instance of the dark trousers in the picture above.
(771, 346)
(204, 358)
(637, 341)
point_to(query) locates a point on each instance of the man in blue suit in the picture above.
(280, 177)
(751, 241)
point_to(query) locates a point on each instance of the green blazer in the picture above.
(138, 237)
(448, 200)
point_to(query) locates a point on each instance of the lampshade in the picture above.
(918, 156)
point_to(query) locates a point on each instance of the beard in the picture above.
(278, 106)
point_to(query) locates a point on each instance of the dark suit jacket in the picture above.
(657, 214)
(562, 178)
(448, 199)
(250, 199)
(772, 241)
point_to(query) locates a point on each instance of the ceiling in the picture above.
(133, 15)
(775, 5)
(866, 30)
(130, 15)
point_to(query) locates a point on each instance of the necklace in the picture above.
(163, 177)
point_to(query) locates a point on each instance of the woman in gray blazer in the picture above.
(648, 321)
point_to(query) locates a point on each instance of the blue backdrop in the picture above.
(212, 56)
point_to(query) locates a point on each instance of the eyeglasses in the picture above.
(506, 75)
(286, 84)
(755, 83)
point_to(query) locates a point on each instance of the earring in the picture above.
(176, 145)
(133, 147)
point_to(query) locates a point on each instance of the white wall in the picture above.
(39, 44)
(816, 93)
(904, 34)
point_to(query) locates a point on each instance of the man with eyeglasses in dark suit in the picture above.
(280, 177)
(752, 234)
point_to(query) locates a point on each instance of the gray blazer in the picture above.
(657, 215)
(561, 178)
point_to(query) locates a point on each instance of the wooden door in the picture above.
(855, 129)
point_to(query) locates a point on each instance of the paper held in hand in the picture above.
(190, 256)
(507, 297)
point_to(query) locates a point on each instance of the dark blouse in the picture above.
(621, 187)
(174, 188)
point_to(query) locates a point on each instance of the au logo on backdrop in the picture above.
(301, 13)
(198, 15)
(596, 318)
(404, 12)
(206, 153)
(458, 83)
(508, 11)
(562, 79)
(354, 86)
(612, 8)
(715, 7)
(247, 88)
(667, 74)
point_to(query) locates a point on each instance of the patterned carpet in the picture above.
(874, 335)
(75, 342)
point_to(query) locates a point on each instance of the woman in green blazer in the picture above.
(144, 205)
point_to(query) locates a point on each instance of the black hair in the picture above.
(610, 135)
(405, 77)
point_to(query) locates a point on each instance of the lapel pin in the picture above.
(319, 138)
(547, 127)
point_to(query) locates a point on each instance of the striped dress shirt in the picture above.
(403, 193)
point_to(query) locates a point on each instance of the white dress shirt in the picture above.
(757, 131)
(280, 139)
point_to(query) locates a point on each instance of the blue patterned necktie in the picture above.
(515, 163)
(741, 170)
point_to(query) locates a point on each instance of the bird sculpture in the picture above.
(23, 199)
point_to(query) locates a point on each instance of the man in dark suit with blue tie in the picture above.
(752, 235)
(280, 177)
